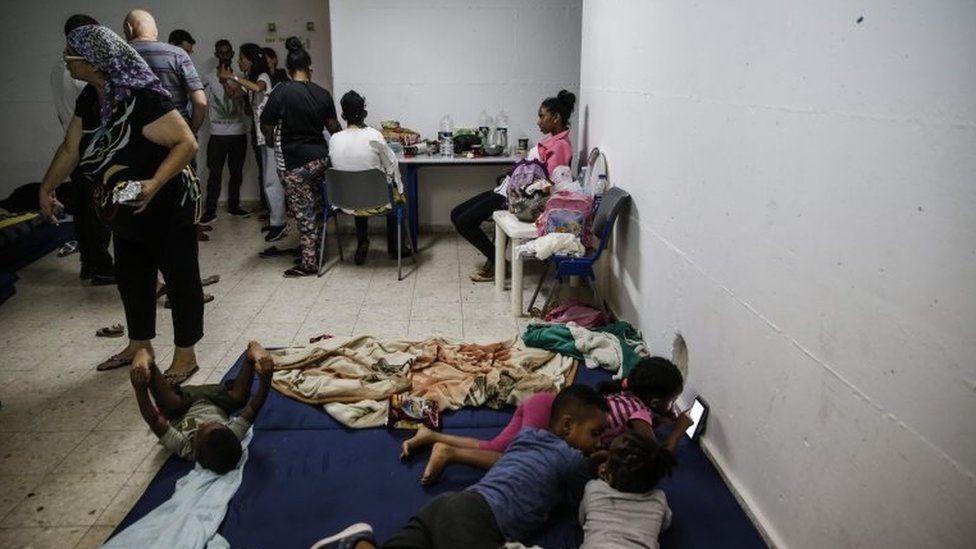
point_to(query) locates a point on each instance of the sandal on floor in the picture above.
(113, 363)
(213, 279)
(177, 378)
(296, 272)
(207, 298)
(160, 291)
(115, 330)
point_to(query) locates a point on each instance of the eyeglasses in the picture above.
(69, 58)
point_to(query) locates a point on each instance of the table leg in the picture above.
(413, 208)
(517, 279)
(500, 238)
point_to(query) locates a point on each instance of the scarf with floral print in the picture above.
(124, 68)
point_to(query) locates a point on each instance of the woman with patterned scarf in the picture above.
(126, 130)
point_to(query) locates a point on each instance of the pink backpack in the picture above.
(567, 212)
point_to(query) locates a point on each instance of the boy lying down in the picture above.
(194, 421)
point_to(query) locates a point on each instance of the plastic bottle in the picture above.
(599, 187)
(501, 130)
(484, 129)
(446, 136)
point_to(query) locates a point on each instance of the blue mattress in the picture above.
(308, 476)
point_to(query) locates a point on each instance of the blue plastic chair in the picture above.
(360, 191)
(612, 202)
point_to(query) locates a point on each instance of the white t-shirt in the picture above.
(257, 105)
(618, 520)
(360, 149)
(65, 91)
(225, 113)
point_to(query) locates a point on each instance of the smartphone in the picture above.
(699, 414)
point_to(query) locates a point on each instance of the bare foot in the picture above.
(424, 437)
(256, 352)
(440, 456)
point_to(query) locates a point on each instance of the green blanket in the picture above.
(557, 338)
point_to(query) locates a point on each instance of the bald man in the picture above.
(171, 64)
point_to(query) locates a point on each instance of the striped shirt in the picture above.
(624, 407)
(175, 71)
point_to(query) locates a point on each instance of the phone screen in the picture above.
(696, 413)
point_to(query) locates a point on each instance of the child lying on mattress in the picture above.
(640, 402)
(540, 469)
(623, 508)
(193, 422)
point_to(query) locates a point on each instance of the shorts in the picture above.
(454, 519)
(216, 393)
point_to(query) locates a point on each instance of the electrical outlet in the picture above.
(272, 27)
(310, 25)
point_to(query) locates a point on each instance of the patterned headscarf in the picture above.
(123, 67)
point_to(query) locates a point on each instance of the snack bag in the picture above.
(410, 412)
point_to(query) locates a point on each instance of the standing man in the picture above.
(171, 64)
(228, 135)
(93, 236)
(182, 39)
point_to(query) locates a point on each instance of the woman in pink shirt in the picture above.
(554, 150)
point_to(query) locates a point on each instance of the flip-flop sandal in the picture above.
(68, 248)
(206, 228)
(298, 272)
(113, 363)
(207, 298)
(115, 330)
(213, 279)
(177, 378)
(161, 291)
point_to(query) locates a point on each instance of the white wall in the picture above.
(417, 61)
(28, 122)
(803, 214)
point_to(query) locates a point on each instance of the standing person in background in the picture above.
(172, 66)
(304, 111)
(228, 135)
(93, 236)
(277, 75)
(256, 83)
(182, 39)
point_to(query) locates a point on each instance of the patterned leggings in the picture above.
(303, 190)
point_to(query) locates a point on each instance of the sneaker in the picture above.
(276, 233)
(347, 538)
(208, 217)
(485, 274)
(102, 280)
(237, 211)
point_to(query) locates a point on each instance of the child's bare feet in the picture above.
(263, 362)
(423, 438)
(139, 373)
(440, 456)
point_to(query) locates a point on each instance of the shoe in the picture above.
(205, 228)
(85, 273)
(407, 252)
(361, 250)
(276, 233)
(208, 217)
(298, 272)
(485, 274)
(347, 538)
(265, 228)
(102, 280)
(237, 211)
(203, 237)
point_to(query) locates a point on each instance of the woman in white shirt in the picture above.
(257, 83)
(359, 148)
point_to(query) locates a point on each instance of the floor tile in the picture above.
(14, 488)
(41, 537)
(67, 500)
(35, 453)
(109, 452)
(95, 537)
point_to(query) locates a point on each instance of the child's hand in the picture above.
(683, 422)
(139, 376)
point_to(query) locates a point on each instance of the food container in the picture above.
(126, 192)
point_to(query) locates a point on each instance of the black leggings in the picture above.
(231, 149)
(468, 216)
(92, 233)
(173, 252)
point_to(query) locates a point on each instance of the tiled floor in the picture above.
(74, 453)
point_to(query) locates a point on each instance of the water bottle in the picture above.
(484, 129)
(599, 187)
(446, 136)
(584, 181)
(501, 130)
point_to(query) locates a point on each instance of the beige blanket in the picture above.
(355, 377)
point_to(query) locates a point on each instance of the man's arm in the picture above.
(333, 126)
(152, 417)
(265, 368)
(199, 101)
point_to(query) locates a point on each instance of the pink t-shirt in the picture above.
(556, 150)
(624, 407)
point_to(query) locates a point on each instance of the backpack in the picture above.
(567, 212)
(526, 207)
